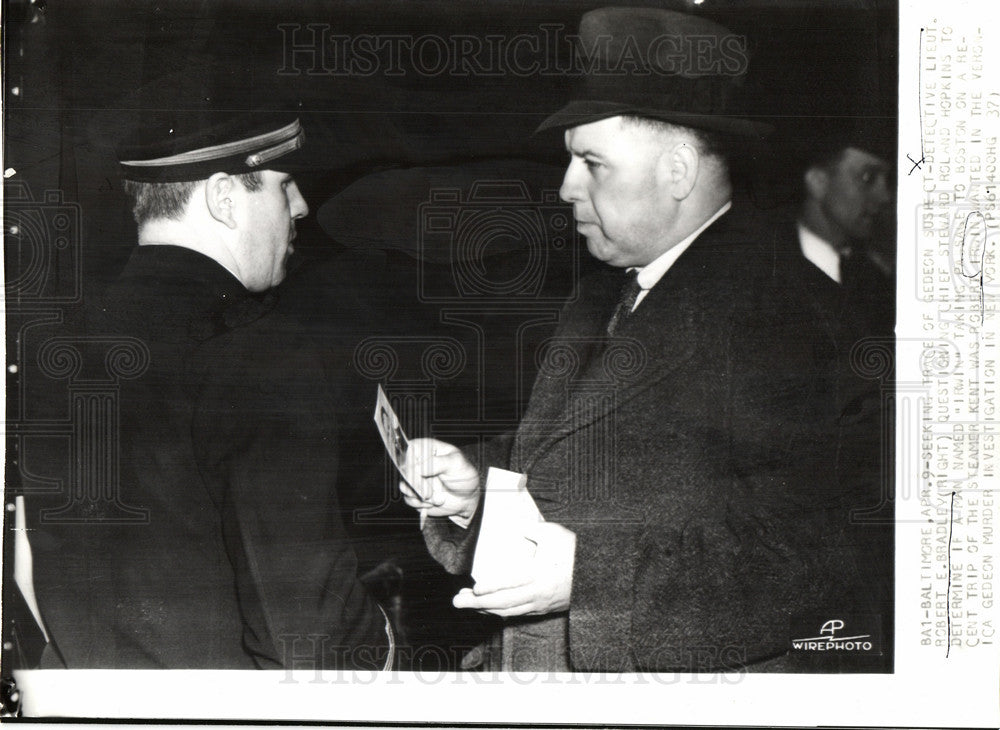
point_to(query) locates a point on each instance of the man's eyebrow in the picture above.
(584, 153)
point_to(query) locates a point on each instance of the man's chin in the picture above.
(598, 248)
(601, 251)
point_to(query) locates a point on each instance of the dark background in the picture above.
(79, 75)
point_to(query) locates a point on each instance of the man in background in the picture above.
(847, 191)
(839, 255)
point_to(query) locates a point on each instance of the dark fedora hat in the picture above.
(661, 64)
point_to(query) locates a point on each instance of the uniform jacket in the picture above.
(692, 456)
(230, 551)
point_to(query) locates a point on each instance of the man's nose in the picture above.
(881, 193)
(571, 190)
(296, 203)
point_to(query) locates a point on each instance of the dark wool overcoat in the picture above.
(694, 456)
(228, 551)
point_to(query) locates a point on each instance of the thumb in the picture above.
(483, 587)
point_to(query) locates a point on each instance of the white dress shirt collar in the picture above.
(820, 253)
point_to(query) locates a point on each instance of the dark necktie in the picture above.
(630, 292)
(855, 271)
(866, 293)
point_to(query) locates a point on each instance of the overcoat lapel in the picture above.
(660, 336)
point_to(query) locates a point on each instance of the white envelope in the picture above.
(503, 553)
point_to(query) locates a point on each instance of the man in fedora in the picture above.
(220, 545)
(679, 434)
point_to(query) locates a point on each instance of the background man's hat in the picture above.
(820, 141)
(188, 146)
(661, 64)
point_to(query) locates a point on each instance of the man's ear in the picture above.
(218, 198)
(816, 181)
(680, 165)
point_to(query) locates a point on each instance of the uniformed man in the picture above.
(230, 552)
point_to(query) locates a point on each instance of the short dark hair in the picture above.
(710, 144)
(150, 201)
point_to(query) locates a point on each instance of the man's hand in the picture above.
(439, 480)
(547, 585)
